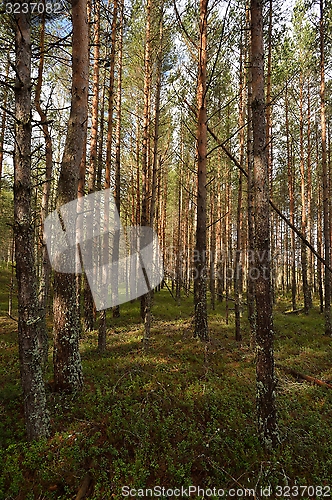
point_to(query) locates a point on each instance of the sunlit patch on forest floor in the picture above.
(178, 414)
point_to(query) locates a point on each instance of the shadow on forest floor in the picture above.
(177, 414)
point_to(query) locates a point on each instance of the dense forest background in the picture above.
(210, 122)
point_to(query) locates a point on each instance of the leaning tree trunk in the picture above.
(266, 382)
(29, 321)
(68, 373)
(201, 320)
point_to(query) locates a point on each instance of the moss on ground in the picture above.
(178, 414)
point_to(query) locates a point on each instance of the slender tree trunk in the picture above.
(68, 373)
(291, 201)
(111, 98)
(268, 98)
(250, 200)
(44, 283)
(266, 382)
(102, 318)
(156, 120)
(100, 162)
(221, 232)
(11, 256)
(201, 320)
(178, 270)
(79, 225)
(117, 190)
(138, 173)
(319, 249)
(227, 245)
(269, 142)
(326, 191)
(89, 309)
(309, 200)
(238, 268)
(214, 216)
(3, 123)
(304, 256)
(29, 321)
(145, 219)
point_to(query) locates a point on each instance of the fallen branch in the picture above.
(12, 317)
(313, 380)
(295, 311)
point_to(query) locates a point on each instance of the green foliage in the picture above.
(177, 414)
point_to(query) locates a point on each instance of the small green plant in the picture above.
(177, 414)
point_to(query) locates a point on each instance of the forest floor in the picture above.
(177, 415)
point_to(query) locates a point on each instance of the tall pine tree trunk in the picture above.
(304, 255)
(102, 318)
(201, 321)
(117, 192)
(68, 373)
(265, 377)
(326, 190)
(290, 176)
(45, 274)
(89, 309)
(238, 267)
(250, 199)
(3, 123)
(145, 218)
(29, 320)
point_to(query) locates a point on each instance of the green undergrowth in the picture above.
(178, 414)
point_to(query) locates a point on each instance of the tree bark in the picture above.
(201, 320)
(111, 98)
(29, 320)
(250, 199)
(326, 191)
(290, 175)
(311, 275)
(44, 282)
(238, 267)
(145, 219)
(68, 375)
(117, 191)
(102, 318)
(89, 309)
(265, 376)
(3, 123)
(304, 257)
